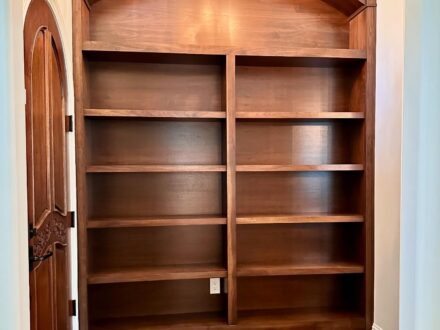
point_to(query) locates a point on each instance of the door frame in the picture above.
(19, 316)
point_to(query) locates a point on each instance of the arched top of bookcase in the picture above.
(248, 24)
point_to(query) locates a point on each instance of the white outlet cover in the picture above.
(214, 286)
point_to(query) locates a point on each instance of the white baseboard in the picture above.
(376, 327)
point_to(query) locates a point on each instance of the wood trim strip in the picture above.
(286, 270)
(300, 168)
(156, 222)
(153, 113)
(370, 31)
(231, 189)
(154, 168)
(299, 218)
(79, 83)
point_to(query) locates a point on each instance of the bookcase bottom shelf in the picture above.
(304, 319)
(312, 319)
(176, 321)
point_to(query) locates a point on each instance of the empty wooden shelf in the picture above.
(253, 219)
(159, 273)
(229, 140)
(134, 222)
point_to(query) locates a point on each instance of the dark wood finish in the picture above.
(285, 270)
(155, 194)
(156, 168)
(299, 168)
(155, 222)
(153, 113)
(138, 84)
(325, 293)
(231, 189)
(81, 32)
(283, 245)
(197, 119)
(164, 298)
(299, 146)
(46, 158)
(160, 273)
(294, 88)
(363, 35)
(299, 218)
(290, 24)
(148, 143)
(299, 115)
(270, 193)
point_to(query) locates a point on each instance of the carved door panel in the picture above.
(48, 216)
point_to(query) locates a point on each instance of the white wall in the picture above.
(420, 289)
(389, 92)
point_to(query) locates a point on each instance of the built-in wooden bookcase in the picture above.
(231, 140)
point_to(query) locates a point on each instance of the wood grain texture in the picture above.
(243, 23)
(183, 297)
(197, 111)
(152, 113)
(154, 168)
(155, 194)
(155, 222)
(213, 320)
(298, 115)
(325, 293)
(300, 319)
(283, 245)
(160, 273)
(306, 145)
(139, 85)
(300, 168)
(287, 270)
(118, 248)
(81, 26)
(269, 193)
(249, 54)
(298, 218)
(370, 31)
(155, 143)
(293, 89)
(231, 188)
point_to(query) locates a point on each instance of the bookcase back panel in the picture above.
(155, 194)
(321, 292)
(299, 142)
(298, 193)
(153, 299)
(298, 89)
(238, 23)
(152, 247)
(285, 244)
(155, 86)
(155, 142)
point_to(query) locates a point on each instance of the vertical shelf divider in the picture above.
(80, 21)
(231, 188)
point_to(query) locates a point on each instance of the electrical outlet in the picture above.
(214, 286)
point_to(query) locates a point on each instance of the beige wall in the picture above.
(390, 52)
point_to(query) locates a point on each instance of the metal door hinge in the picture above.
(71, 216)
(69, 123)
(72, 307)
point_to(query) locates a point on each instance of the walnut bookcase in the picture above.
(225, 139)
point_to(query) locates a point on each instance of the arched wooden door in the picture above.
(48, 216)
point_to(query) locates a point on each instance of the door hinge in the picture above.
(71, 216)
(69, 123)
(72, 307)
